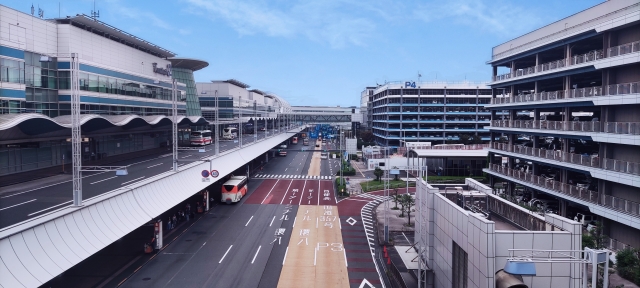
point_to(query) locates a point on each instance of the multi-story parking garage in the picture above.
(570, 134)
(429, 112)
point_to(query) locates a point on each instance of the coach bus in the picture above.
(294, 140)
(202, 137)
(234, 189)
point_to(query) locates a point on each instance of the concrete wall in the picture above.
(440, 223)
(99, 51)
(628, 34)
(25, 32)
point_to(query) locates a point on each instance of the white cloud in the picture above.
(498, 17)
(338, 23)
(143, 17)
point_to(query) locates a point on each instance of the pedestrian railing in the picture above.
(577, 192)
(586, 92)
(577, 59)
(593, 161)
(632, 128)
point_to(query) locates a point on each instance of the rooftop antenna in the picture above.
(95, 13)
(40, 12)
(419, 76)
(33, 10)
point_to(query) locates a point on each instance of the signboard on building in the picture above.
(160, 70)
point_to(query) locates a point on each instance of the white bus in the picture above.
(202, 137)
(229, 133)
(234, 189)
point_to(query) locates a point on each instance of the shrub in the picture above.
(629, 265)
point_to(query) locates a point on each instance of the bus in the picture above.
(229, 133)
(202, 137)
(294, 140)
(234, 189)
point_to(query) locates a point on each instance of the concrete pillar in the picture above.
(564, 176)
(535, 168)
(266, 157)
(495, 71)
(562, 208)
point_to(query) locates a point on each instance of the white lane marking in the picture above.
(296, 218)
(315, 255)
(225, 254)
(274, 218)
(285, 193)
(318, 193)
(274, 186)
(245, 225)
(104, 180)
(154, 165)
(285, 256)
(49, 208)
(132, 180)
(186, 156)
(345, 257)
(254, 256)
(18, 204)
(302, 193)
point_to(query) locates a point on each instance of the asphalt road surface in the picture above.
(245, 244)
(23, 201)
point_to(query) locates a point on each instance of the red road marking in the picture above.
(261, 192)
(331, 198)
(290, 197)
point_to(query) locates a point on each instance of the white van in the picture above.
(229, 133)
(324, 155)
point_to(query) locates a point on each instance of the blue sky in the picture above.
(324, 52)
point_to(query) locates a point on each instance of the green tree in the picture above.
(395, 198)
(407, 202)
(378, 173)
(628, 264)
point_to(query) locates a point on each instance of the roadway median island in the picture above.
(315, 255)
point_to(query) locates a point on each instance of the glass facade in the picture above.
(186, 76)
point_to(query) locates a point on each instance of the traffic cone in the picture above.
(388, 261)
(384, 249)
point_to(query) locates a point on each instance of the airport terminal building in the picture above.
(570, 135)
(125, 89)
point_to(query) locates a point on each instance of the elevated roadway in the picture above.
(45, 244)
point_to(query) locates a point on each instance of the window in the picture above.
(459, 267)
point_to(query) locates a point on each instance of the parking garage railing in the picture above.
(582, 193)
(593, 161)
(586, 92)
(573, 60)
(629, 128)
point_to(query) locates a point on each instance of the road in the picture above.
(26, 200)
(251, 243)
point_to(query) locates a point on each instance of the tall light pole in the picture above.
(240, 121)
(76, 137)
(341, 158)
(255, 121)
(217, 123)
(174, 125)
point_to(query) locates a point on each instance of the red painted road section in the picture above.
(327, 194)
(261, 192)
(292, 195)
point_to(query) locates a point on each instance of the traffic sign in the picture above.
(214, 173)
(205, 173)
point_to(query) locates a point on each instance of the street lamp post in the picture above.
(174, 125)
(217, 123)
(240, 121)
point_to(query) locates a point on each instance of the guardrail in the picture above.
(632, 128)
(573, 60)
(621, 166)
(586, 92)
(615, 203)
